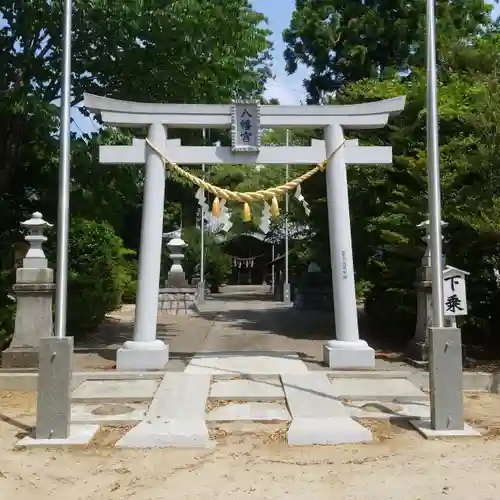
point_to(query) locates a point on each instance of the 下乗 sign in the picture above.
(454, 292)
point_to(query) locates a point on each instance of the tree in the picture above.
(345, 42)
(144, 50)
(387, 202)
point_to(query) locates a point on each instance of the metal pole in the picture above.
(433, 171)
(286, 294)
(273, 283)
(64, 177)
(202, 235)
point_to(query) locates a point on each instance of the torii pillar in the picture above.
(347, 350)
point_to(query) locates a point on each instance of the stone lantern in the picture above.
(178, 297)
(176, 276)
(34, 290)
(418, 348)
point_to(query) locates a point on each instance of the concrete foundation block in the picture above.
(78, 435)
(142, 359)
(53, 413)
(425, 429)
(348, 355)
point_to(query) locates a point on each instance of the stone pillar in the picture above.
(145, 352)
(418, 347)
(347, 350)
(34, 290)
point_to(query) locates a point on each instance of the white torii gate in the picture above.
(145, 351)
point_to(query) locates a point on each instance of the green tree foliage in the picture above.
(144, 50)
(387, 202)
(346, 41)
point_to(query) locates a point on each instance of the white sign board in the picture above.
(245, 126)
(454, 292)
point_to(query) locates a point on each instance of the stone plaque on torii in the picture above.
(145, 351)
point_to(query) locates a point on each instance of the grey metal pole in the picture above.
(202, 236)
(64, 177)
(433, 170)
(273, 282)
(286, 294)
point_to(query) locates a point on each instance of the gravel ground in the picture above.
(399, 465)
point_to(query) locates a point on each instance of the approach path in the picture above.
(240, 318)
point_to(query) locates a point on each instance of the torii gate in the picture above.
(145, 351)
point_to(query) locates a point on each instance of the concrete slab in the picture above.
(176, 417)
(187, 433)
(311, 396)
(398, 389)
(379, 410)
(318, 417)
(259, 412)
(248, 389)
(327, 431)
(247, 363)
(108, 413)
(79, 435)
(180, 396)
(115, 390)
(424, 428)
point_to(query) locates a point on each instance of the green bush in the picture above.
(218, 266)
(97, 273)
(130, 282)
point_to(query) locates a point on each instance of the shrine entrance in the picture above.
(249, 254)
(245, 119)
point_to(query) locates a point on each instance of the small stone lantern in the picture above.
(34, 290)
(176, 276)
(35, 257)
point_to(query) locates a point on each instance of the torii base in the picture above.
(142, 356)
(344, 355)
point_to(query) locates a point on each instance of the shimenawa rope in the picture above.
(245, 197)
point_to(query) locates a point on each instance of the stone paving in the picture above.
(237, 320)
(241, 360)
(312, 404)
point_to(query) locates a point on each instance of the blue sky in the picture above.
(288, 89)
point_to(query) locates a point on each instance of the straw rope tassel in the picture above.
(247, 214)
(216, 207)
(275, 208)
